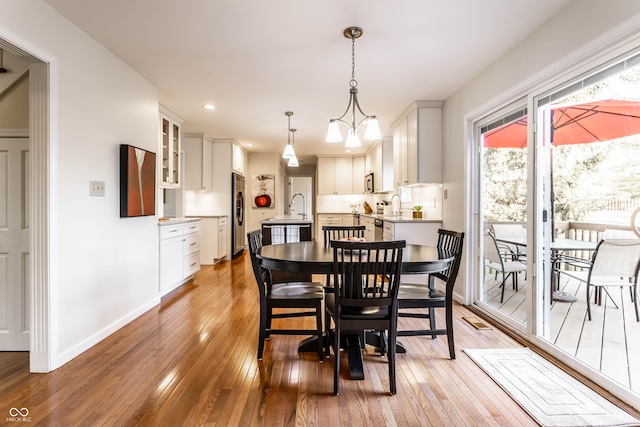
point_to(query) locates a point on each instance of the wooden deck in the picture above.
(610, 342)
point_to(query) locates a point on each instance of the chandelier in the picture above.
(373, 128)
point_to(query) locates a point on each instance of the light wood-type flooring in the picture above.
(191, 361)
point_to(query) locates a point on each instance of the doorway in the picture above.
(43, 114)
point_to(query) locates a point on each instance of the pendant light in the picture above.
(288, 149)
(293, 161)
(373, 128)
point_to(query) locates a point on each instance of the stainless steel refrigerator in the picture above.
(237, 231)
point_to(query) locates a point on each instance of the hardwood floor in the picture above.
(191, 361)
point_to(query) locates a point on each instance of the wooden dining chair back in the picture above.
(366, 277)
(412, 297)
(303, 295)
(340, 232)
(496, 262)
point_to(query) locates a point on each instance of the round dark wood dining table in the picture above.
(314, 258)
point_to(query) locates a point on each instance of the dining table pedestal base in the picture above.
(351, 342)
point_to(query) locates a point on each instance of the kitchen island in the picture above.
(285, 229)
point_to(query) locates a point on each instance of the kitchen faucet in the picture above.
(399, 210)
(304, 214)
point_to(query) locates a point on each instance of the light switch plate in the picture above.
(96, 188)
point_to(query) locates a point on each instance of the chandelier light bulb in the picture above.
(352, 140)
(373, 130)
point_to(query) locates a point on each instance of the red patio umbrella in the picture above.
(575, 124)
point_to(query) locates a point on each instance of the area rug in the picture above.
(551, 396)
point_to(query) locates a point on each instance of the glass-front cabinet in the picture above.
(170, 141)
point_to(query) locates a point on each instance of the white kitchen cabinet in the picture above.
(213, 246)
(379, 161)
(326, 219)
(417, 144)
(239, 159)
(170, 144)
(198, 150)
(357, 175)
(179, 253)
(336, 175)
(370, 228)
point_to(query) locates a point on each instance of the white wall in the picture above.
(265, 163)
(579, 24)
(106, 268)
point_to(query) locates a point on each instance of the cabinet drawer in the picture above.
(169, 231)
(191, 243)
(191, 227)
(191, 264)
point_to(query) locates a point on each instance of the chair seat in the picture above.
(354, 313)
(410, 291)
(311, 290)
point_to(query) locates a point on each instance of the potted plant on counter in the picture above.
(417, 211)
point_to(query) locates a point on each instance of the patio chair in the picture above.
(496, 262)
(509, 250)
(615, 263)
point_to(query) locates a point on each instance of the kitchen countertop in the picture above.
(206, 216)
(398, 218)
(288, 219)
(170, 221)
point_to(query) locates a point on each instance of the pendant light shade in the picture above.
(288, 149)
(373, 128)
(293, 161)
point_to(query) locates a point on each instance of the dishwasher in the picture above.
(379, 230)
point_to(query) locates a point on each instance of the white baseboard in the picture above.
(83, 346)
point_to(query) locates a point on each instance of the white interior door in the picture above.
(14, 244)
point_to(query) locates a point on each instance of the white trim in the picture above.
(94, 339)
(43, 131)
(14, 133)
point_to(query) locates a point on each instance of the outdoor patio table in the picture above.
(558, 247)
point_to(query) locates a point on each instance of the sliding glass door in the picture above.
(555, 173)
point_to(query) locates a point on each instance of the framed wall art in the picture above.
(263, 190)
(137, 182)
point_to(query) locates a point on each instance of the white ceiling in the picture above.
(256, 59)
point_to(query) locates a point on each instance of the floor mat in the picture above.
(550, 395)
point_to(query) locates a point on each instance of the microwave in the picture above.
(368, 183)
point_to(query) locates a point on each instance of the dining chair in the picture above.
(284, 295)
(496, 261)
(413, 296)
(615, 263)
(366, 277)
(339, 232)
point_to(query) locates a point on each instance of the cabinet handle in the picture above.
(173, 231)
(192, 244)
(192, 264)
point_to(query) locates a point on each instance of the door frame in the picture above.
(43, 145)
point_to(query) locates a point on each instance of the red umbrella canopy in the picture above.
(575, 124)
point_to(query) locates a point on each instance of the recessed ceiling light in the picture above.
(249, 145)
(347, 151)
(209, 107)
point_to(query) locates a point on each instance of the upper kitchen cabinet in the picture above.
(331, 172)
(198, 150)
(379, 161)
(417, 144)
(170, 144)
(239, 159)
